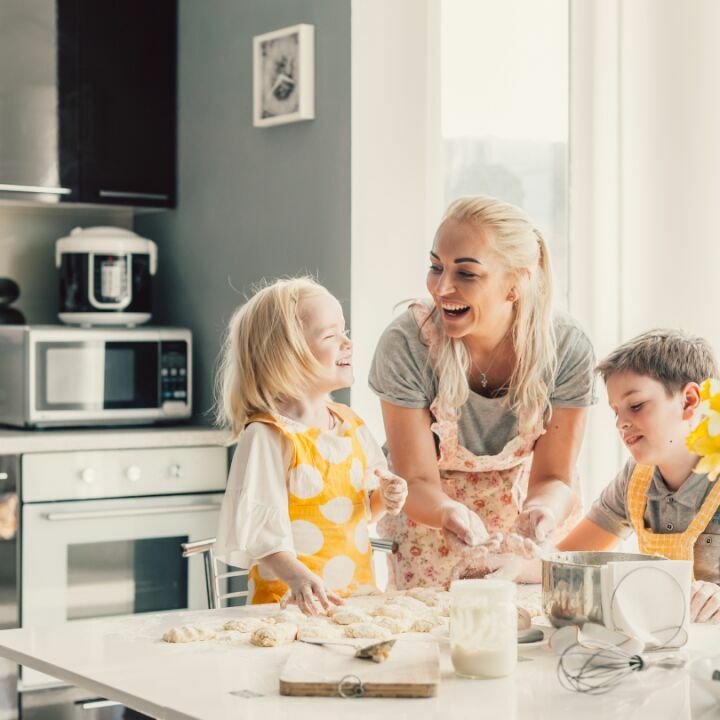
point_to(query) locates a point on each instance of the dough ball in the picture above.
(320, 631)
(394, 625)
(348, 616)
(410, 603)
(426, 623)
(188, 633)
(523, 619)
(275, 634)
(243, 625)
(393, 611)
(367, 630)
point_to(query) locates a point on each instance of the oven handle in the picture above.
(95, 514)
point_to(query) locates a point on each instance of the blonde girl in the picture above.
(307, 476)
(484, 392)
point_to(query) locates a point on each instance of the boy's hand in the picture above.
(536, 522)
(308, 591)
(705, 602)
(393, 489)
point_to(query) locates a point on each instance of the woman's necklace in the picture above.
(482, 376)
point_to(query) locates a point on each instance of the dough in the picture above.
(410, 603)
(320, 631)
(393, 611)
(367, 630)
(276, 634)
(426, 623)
(394, 625)
(244, 625)
(346, 616)
(188, 633)
(523, 621)
(284, 617)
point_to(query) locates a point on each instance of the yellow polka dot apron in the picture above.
(327, 504)
(674, 546)
(493, 486)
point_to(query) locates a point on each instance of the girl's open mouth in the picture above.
(454, 311)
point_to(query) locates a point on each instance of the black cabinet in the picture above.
(88, 101)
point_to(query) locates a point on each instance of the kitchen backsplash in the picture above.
(27, 250)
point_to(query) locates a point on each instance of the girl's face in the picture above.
(472, 292)
(323, 326)
(651, 423)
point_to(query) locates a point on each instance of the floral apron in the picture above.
(328, 508)
(493, 486)
(674, 546)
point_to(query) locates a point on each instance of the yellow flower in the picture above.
(704, 438)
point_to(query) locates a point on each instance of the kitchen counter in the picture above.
(16, 442)
(124, 659)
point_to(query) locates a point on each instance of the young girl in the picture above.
(307, 476)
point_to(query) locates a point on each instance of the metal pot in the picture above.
(571, 586)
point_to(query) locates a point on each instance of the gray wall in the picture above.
(252, 202)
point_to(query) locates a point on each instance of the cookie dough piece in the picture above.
(410, 603)
(393, 611)
(367, 630)
(276, 634)
(394, 625)
(426, 623)
(347, 616)
(285, 616)
(188, 633)
(244, 625)
(523, 619)
(320, 631)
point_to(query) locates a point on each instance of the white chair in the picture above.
(215, 580)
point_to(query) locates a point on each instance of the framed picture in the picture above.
(284, 76)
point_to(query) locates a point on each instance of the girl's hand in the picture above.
(536, 522)
(309, 592)
(705, 602)
(460, 524)
(394, 491)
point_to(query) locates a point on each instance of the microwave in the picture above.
(64, 376)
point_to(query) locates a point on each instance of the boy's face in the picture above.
(651, 423)
(323, 326)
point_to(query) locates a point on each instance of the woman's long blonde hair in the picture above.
(520, 248)
(265, 359)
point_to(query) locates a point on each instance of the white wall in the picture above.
(396, 179)
(644, 177)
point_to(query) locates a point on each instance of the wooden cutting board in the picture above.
(411, 671)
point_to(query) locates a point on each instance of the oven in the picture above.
(101, 533)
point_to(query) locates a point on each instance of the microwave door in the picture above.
(131, 375)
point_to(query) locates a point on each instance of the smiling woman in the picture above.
(484, 392)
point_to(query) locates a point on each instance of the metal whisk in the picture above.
(594, 671)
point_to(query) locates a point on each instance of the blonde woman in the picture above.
(307, 476)
(484, 393)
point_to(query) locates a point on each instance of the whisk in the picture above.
(595, 671)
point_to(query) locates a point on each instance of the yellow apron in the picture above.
(674, 546)
(328, 508)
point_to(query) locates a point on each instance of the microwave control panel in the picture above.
(174, 371)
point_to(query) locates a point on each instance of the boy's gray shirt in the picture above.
(666, 512)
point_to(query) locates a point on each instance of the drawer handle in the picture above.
(132, 195)
(161, 510)
(35, 189)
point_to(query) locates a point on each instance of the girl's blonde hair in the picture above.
(265, 359)
(520, 248)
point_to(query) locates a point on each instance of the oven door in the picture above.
(85, 559)
(86, 380)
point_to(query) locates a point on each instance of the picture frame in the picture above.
(284, 76)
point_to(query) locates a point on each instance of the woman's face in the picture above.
(473, 293)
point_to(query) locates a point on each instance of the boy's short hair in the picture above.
(672, 357)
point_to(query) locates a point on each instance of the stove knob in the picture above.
(87, 476)
(176, 471)
(133, 473)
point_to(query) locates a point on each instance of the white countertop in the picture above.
(124, 659)
(15, 442)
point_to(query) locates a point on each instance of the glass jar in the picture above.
(483, 628)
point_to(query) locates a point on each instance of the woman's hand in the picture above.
(536, 522)
(393, 489)
(705, 602)
(459, 523)
(308, 591)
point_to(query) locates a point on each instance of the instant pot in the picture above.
(105, 276)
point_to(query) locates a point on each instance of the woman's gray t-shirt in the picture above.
(402, 374)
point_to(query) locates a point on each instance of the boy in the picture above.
(653, 387)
